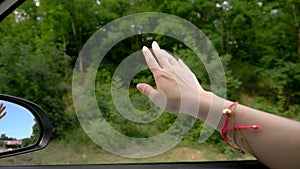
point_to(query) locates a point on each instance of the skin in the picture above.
(276, 144)
(2, 110)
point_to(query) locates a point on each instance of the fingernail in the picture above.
(139, 87)
(145, 48)
(154, 43)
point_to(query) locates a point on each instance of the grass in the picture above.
(62, 152)
(77, 148)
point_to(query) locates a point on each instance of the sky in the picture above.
(17, 122)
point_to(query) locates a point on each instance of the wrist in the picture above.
(204, 100)
(211, 108)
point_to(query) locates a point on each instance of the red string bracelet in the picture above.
(227, 112)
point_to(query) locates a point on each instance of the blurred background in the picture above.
(258, 42)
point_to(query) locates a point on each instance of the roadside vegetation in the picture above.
(258, 42)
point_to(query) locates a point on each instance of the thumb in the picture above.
(145, 89)
(157, 97)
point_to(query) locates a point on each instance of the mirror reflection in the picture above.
(18, 127)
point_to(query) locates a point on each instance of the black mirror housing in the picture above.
(43, 121)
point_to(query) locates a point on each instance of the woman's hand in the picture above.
(178, 89)
(2, 110)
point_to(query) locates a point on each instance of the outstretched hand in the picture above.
(2, 110)
(178, 89)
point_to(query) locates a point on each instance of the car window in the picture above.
(60, 53)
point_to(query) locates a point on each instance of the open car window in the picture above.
(81, 60)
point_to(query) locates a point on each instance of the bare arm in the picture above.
(276, 144)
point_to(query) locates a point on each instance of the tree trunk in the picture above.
(65, 56)
(297, 26)
(78, 50)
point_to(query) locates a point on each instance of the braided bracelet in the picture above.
(225, 128)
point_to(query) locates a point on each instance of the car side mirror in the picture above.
(24, 126)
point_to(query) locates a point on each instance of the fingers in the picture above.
(183, 65)
(2, 107)
(151, 62)
(145, 89)
(164, 58)
(160, 55)
(2, 115)
(155, 96)
(170, 58)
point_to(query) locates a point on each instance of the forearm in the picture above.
(276, 143)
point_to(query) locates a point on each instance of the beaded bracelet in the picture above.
(225, 128)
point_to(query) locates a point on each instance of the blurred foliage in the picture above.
(258, 42)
